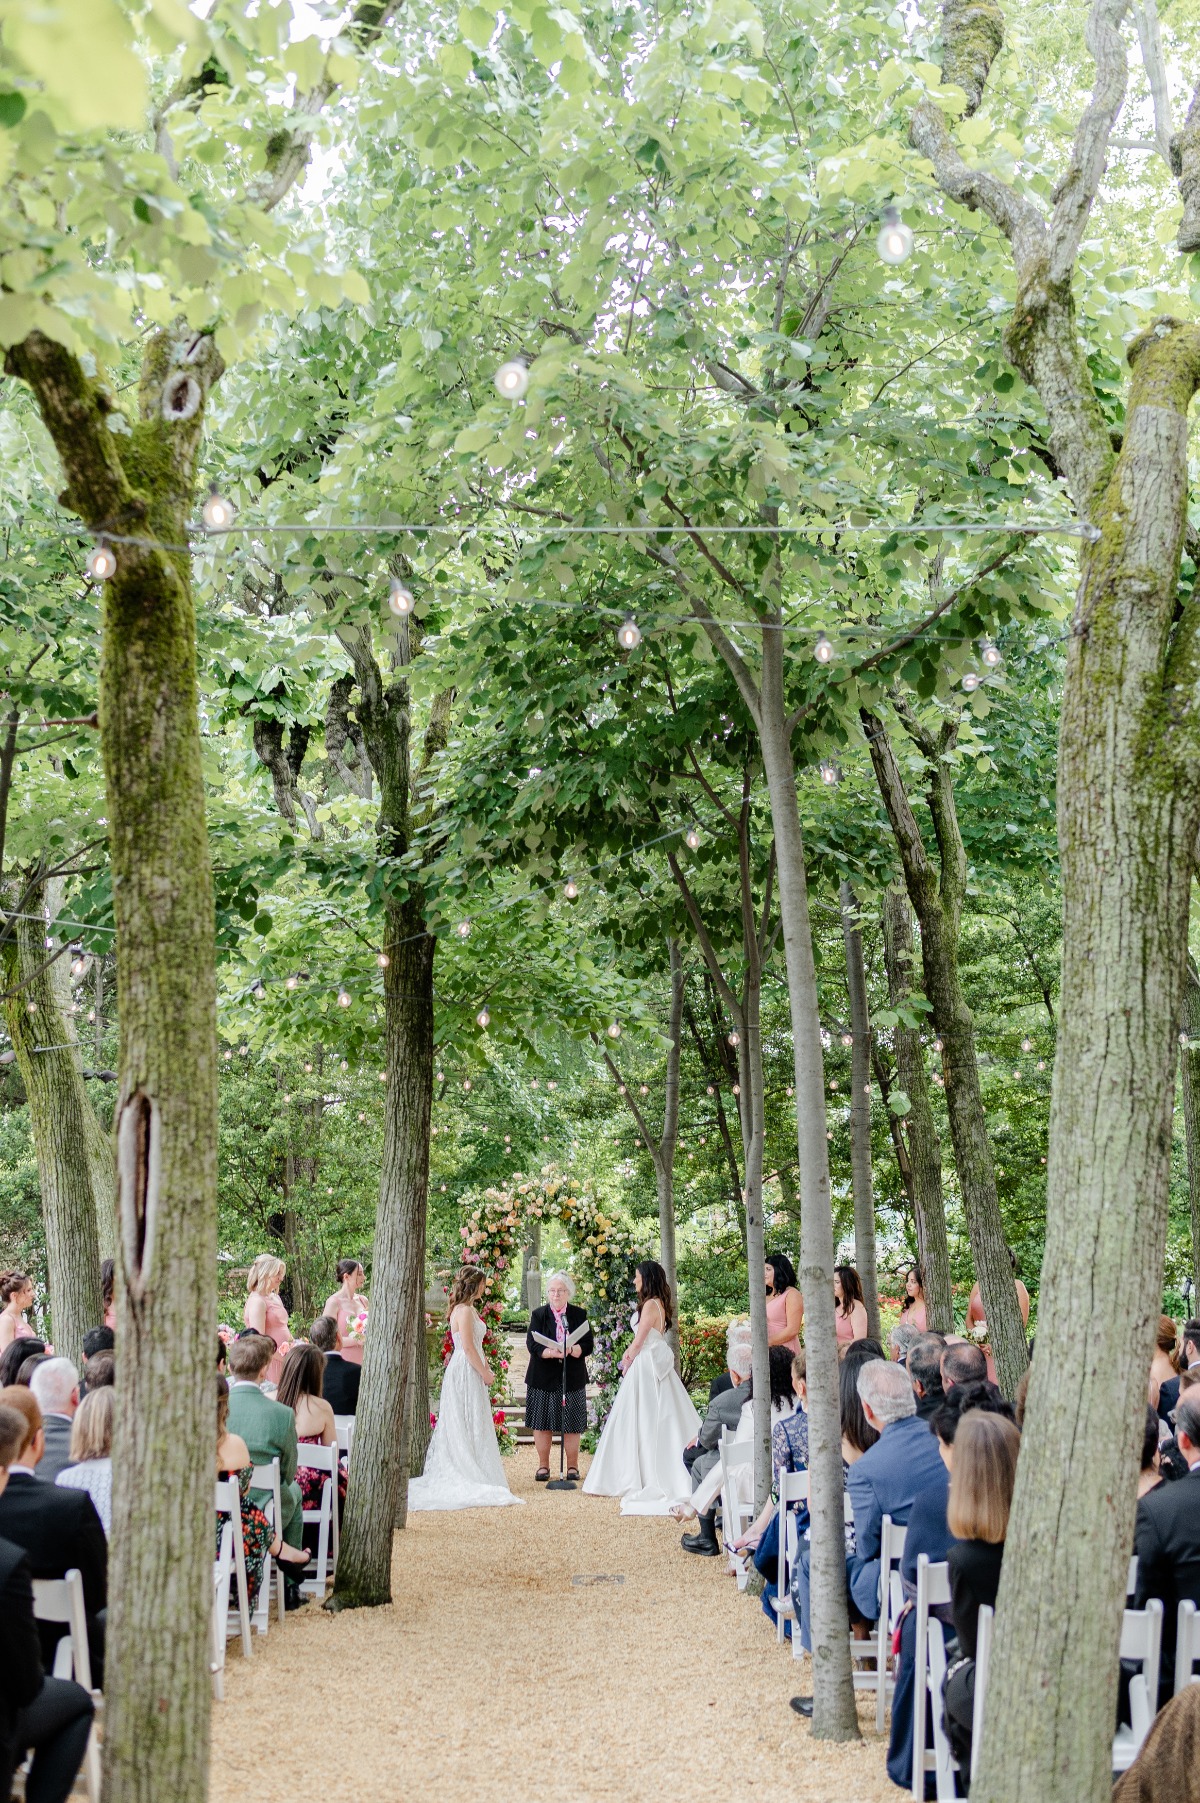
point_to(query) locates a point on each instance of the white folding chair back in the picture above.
(222, 1574)
(891, 1551)
(793, 1488)
(266, 1477)
(229, 1502)
(1187, 1645)
(933, 1592)
(983, 1666)
(1131, 1580)
(325, 1460)
(345, 1434)
(1141, 1642)
(735, 1514)
(61, 1600)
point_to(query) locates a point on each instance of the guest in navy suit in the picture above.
(904, 1461)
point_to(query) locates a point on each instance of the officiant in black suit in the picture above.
(545, 1414)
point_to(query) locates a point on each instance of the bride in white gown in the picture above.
(462, 1467)
(640, 1455)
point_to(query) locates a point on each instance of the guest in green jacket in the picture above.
(267, 1427)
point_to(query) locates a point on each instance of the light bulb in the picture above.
(382, 959)
(400, 599)
(7, 1057)
(895, 240)
(383, 1076)
(939, 1045)
(1027, 1045)
(823, 650)
(710, 1090)
(733, 1039)
(291, 983)
(361, 1115)
(78, 965)
(308, 1069)
(737, 1089)
(466, 1082)
(692, 839)
(343, 998)
(102, 562)
(441, 1076)
(1041, 1064)
(91, 1014)
(570, 889)
(463, 929)
(991, 654)
(1016, 1073)
(847, 1039)
(552, 1084)
(830, 774)
(217, 512)
(31, 1007)
(629, 634)
(482, 1018)
(614, 1029)
(512, 379)
(442, 1188)
(971, 681)
(643, 1089)
(790, 1089)
(228, 1052)
(621, 1090)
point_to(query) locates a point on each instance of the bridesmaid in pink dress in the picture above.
(785, 1304)
(850, 1312)
(16, 1293)
(347, 1302)
(912, 1309)
(264, 1312)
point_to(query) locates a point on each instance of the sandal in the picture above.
(573, 1472)
(542, 1474)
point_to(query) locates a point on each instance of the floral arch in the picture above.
(603, 1254)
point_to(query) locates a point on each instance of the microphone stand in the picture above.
(562, 1482)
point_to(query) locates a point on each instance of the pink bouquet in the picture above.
(356, 1325)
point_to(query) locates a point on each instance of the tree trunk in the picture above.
(1189, 1074)
(364, 1574)
(664, 1159)
(834, 1713)
(860, 1109)
(419, 1430)
(1128, 812)
(918, 1127)
(753, 1140)
(938, 904)
(58, 1107)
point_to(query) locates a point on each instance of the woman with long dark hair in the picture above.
(348, 1307)
(850, 1313)
(912, 1309)
(462, 1467)
(785, 1304)
(640, 1455)
(301, 1389)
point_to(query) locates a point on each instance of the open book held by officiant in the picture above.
(572, 1338)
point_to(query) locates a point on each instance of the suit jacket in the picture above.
(1168, 1397)
(58, 1530)
(547, 1374)
(723, 1411)
(720, 1385)
(267, 1427)
(1166, 1539)
(342, 1378)
(57, 1455)
(885, 1481)
(20, 1648)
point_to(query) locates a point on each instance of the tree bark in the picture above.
(917, 1128)
(1189, 1075)
(664, 1163)
(860, 1109)
(58, 1107)
(937, 899)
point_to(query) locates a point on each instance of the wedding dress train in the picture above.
(463, 1469)
(640, 1455)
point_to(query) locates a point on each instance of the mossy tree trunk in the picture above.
(1128, 813)
(860, 1108)
(937, 896)
(1189, 1078)
(58, 1109)
(917, 1131)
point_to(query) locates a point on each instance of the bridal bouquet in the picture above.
(356, 1325)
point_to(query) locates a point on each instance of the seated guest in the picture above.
(901, 1341)
(886, 1479)
(925, 1372)
(15, 1356)
(342, 1376)
(97, 1342)
(102, 1372)
(55, 1386)
(789, 1452)
(258, 1537)
(267, 1427)
(1166, 1538)
(46, 1716)
(91, 1453)
(1149, 1476)
(59, 1530)
(1188, 1359)
(722, 1383)
(29, 1365)
(724, 1411)
(1163, 1366)
(300, 1390)
(983, 1470)
(858, 1436)
(962, 1363)
(1167, 1770)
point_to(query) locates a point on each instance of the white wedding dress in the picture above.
(463, 1468)
(640, 1455)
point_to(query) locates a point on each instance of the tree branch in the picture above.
(1076, 192)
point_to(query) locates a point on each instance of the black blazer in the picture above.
(59, 1530)
(547, 1374)
(342, 1378)
(1166, 1539)
(20, 1649)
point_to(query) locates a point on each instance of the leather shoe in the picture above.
(803, 1706)
(704, 1543)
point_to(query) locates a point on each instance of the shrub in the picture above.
(702, 1348)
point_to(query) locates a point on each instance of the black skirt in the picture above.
(544, 1412)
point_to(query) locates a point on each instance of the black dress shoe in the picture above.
(803, 1706)
(704, 1543)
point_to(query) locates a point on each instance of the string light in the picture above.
(830, 774)
(31, 1007)
(343, 998)
(733, 1039)
(382, 959)
(614, 1029)
(400, 599)
(823, 649)
(643, 1089)
(847, 1039)
(570, 889)
(217, 513)
(441, 1076)
(621, 1090)
(1027, 1044)
(737, 1089)
(991, 654)
(101, 565)
(629, 634)
(895, 240)
(482, 1018)
(710, 1090)
(78, 961)
(463, 929)
(1041, 1064)
(512, 379)
(551, 1084)
(971, 680)
(939, 1045)
(692, 839)
(1016, 1073)
(466, 1082)
(291, 982)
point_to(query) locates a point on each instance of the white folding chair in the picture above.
(61, 1600)
(266, 1477)
(891, 1601)
(735, 1513)
(1141, 1641)
(325, 1460)
(793, 1488)
(1187, 1645)
(222, 1573)
(345, 1435)
(229, 1503)
(983, 1666)
(933, 1592)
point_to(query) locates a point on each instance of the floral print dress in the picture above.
(256, 1532)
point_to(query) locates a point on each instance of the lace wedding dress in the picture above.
(640, 1455)
(463, 1469)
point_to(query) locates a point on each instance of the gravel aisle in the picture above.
(496, 1675)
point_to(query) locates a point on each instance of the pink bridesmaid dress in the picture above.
(777, 1321)
(277, 1327)
(352, 1350)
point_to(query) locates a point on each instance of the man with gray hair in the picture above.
(904, 1460)
(901, 1340)
(700, 1457)
(1166, 1538)
(55, 1385)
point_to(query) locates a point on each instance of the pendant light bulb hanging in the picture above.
(847, 1039)
(830, 774)
(971, 680)
(382, 959)
(1027, 1044)
(895, 240)
(512, 379)
(991, 655)
(692, 839)
(101, 565)
(570, 889)
(614, 1029)
(629, 635)
(463, 929)
(483, 1018)
(400, 599)
(343, 998)
(823, 649)
(217, 513)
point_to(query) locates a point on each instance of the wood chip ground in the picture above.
(512, 1665)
